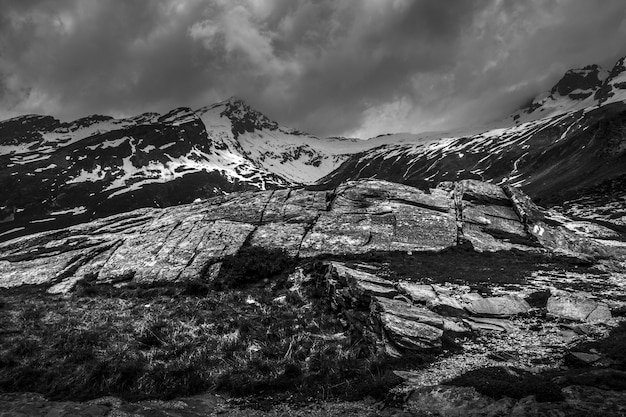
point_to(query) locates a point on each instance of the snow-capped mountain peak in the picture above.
(580, 83)
(578, 89)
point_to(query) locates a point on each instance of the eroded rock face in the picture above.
(188, 242)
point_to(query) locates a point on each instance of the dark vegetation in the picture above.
(257, 336)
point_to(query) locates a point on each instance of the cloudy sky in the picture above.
(350, 67)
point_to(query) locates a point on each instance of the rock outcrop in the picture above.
(189, 242)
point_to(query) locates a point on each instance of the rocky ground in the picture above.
(483, 303)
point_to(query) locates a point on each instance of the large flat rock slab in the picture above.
(372, 216)
(578, 308)
(504, 306)
(184, 242)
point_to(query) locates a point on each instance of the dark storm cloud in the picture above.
(357, 67)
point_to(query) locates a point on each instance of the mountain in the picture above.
(59, 173)
(579, 89)
(568, 141)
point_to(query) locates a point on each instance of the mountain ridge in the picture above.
(58, 173)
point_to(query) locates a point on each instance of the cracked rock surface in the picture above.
(188, 242)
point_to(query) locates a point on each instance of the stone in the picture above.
(409, 334)
(489, 324)
(362, 283)
(370, 216)
(483, 192)
(419, 293)
(447, 306)
(581, 358)
(408, 312)
(279, 235)
(455, 326)
(578, 309)
(504, 306)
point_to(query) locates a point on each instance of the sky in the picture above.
(354, 68)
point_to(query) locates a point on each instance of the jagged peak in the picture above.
(586, 78)
(588, 69)
(576, 89)
(244, 118)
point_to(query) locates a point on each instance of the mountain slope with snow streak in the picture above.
(567, 140)
(100, 166)
(55, 174)
(549, 158)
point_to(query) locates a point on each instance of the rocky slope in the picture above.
(471, 275)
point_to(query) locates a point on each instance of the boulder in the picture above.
(504, 306)
(447, 306)
(407, 311)
(409, 334)
(370, 306)
(419, 293)
(581, 358)
(574, 308)
(362, 285)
